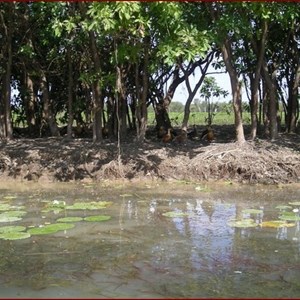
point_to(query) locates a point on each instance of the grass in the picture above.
(199, 118)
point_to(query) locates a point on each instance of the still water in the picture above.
(141, 252)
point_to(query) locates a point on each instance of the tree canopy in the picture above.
(101, 65)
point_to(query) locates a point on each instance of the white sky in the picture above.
(222, 79)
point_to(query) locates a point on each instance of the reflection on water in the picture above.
(140, 253)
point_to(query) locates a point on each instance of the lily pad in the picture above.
(69, 219)
(89, 205)
(51, 228)
(9, 197)
(244, 223)
(297, 203)
(97, 218)
(11, 216)
(289, 216)
(4, 207)
(202, 188)
(277, 224)
(14, 235)
(252, 211)
(174, 214)
(283, 207)
(6, 229)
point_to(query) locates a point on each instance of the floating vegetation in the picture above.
(14, 235)
(252, 211)
(244, 223)
(276, 224)
(4, 206)
(97, 218)
(89, 205)
(126, 195)
(56, 206)
(289, 216)
(12, 216)
(202, 188)
(51, 228)
(175, 214)
(6, 229)
(283, 207)
(9, 197)
(297, 203)
(69, 219)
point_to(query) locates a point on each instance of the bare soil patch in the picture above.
(59, 159)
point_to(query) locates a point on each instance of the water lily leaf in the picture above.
(126, 195)
(277, 224)
(6, 229)
(14, 213)
(11, 216)
(252, 211)
(5, 206)
(289, 216)
(69, 219)
(9, 197)
(283, 207)
(297, 203)
(244, 223)
(174, 214)
(14, 235)
(51, 228)
(89, 205)
(202, 188)
(97, 218)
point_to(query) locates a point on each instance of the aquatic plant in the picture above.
(243, 223)
(99, 218)
(51, 228)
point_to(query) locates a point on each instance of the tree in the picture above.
(209, 90)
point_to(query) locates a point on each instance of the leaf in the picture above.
(252, 211)
(69, 219)
(6, 229)
(97, 218)
(289, 216)
(49, 229)
(297, 203)
(11, 216)
(276, 224)
(244, 223)
(283, 207)
(14, 235)
(89, 205)
(174, 214)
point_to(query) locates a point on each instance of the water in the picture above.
(140, 253)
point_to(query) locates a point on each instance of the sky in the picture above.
(222, 79)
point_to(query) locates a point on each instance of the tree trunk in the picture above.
(5, 115)
(272, 109)
(255, 80)
(70, 95)
(47, 110)
(97, 101)
(142, 100)
(236, 92)
(30, 104)
(161, 109)
(193, 92)
(293, 102)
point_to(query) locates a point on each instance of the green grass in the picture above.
(199, 118)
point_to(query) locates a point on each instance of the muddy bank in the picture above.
(57, 159)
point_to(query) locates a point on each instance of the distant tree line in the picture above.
(103, 64)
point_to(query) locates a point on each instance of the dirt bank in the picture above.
(57, 159)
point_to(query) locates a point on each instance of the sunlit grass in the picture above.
(200, 118)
